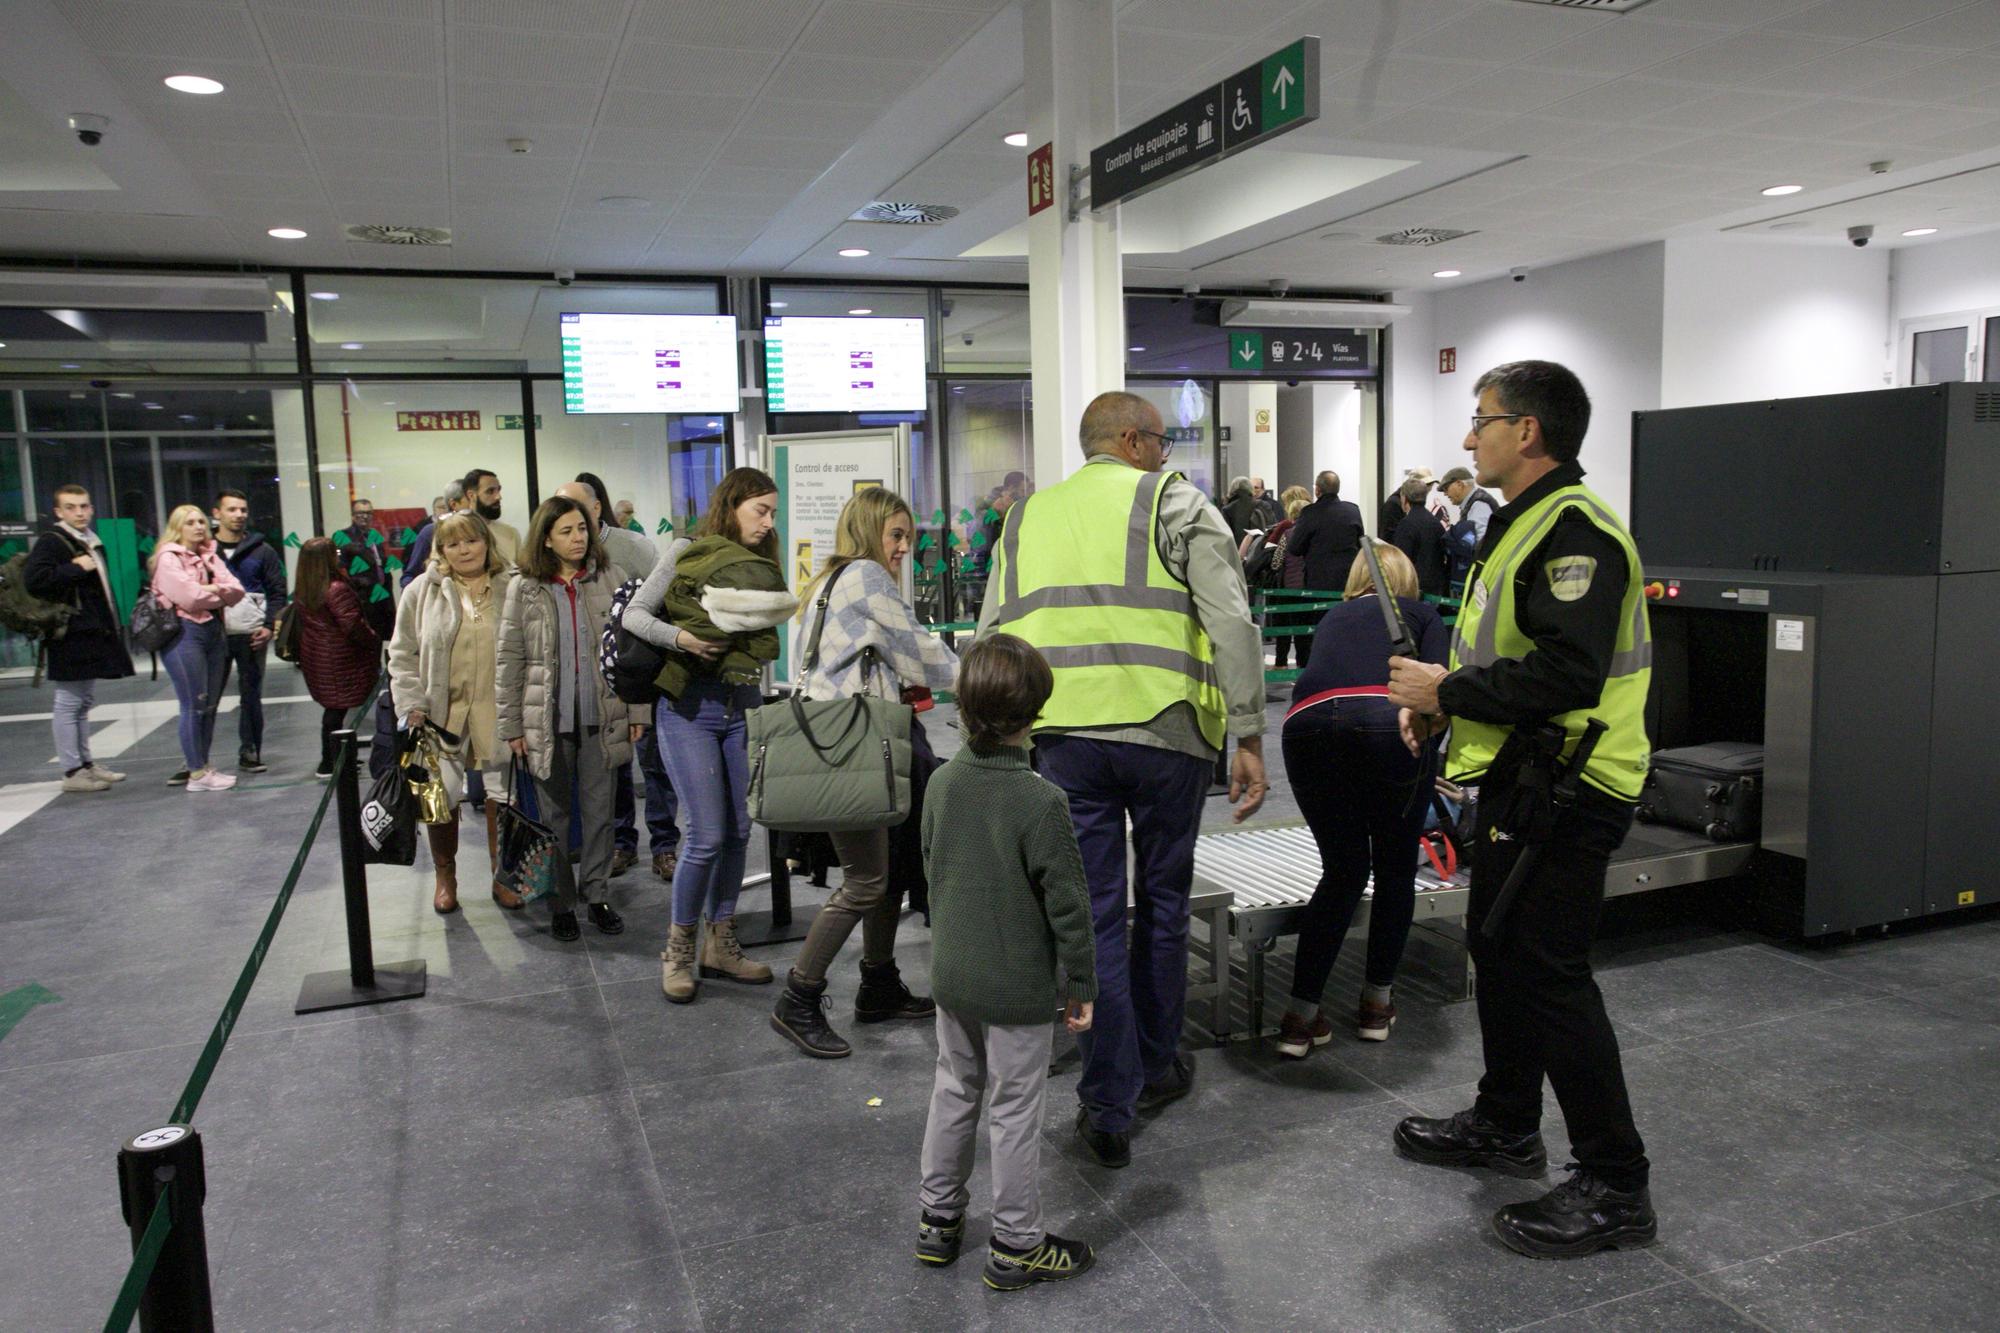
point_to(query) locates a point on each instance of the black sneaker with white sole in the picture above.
(1054, 1260)
(939, 1238)
(249, 761)
(179, 779)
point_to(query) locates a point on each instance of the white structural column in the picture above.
(1076, 314)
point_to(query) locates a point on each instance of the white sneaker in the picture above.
(84, 780)
(102, 773)
(211, 781)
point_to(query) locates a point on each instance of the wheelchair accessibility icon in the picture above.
(1239, 115)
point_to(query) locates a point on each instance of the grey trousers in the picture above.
(71, 721)
(863, 896)
(581, 756)
(1009, 1067)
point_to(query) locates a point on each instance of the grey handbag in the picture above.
(829, 766)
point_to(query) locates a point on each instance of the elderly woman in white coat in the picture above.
(556, 712)
(442, 659)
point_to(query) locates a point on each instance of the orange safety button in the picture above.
(1656, 590)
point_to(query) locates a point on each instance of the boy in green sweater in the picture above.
(1008, 901)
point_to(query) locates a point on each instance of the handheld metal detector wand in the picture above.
(1401, 642)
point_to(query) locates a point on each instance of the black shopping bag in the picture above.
(389, 821)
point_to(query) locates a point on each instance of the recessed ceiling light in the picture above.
(780, 305)
(1135, 349)
(862, 310)
(1921, 231)
(3, 344)
(123, 395)
(192, 83)
(286, 233)
(1773, 191)
(351, 347)
(324, 296)
(1448, 273)
(150, 407)
(853, 252)
(72, 365)
(1018, 139)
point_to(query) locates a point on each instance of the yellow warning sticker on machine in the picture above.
(1967, 898)
(1570, 576)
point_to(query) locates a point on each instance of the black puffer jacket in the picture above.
(94, 646)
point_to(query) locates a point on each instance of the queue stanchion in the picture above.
(364, 981)
(161, 1188)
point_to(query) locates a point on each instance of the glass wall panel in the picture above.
(883, 302)
(398, 444)
(992, 461)
(1188, 410)
(984, 331)
(1991, 342)
(145, 323)
(463, 325)
(698, 457)
(664, 465)
(13, 491)
(1939, 355)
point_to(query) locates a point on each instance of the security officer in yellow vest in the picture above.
(1554, 629)
(1125, 577)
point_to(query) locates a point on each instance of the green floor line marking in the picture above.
(16, 1003)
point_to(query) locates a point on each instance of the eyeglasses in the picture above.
(1166, 441)
(1479, 421)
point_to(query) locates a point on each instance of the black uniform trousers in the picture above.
(1540, 1011)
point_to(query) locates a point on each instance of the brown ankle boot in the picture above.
(722, 956)
(677, 980)
(444, 856)
(503, 895)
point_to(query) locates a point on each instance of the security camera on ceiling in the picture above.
(565, 276)
(89, 127)
(1860, 236)
(1518, 274)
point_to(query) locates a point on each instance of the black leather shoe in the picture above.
(1470, 1139)
(1178, 1083)
(607, 921)
(563, 927)
(1112, 1148)
(883, 996)
(1580, 1216)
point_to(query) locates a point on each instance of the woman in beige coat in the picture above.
(556, 712)
(442, 660)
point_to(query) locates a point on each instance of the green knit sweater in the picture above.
(1008, 898)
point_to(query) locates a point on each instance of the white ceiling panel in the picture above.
(668, 113)
(818, 78)
(871, 28)
(729, 178)
(1503, 36)
(222, 124)
(1204, 16)
(337, 133)
(328, 92)
(1401, 80)
(1965, 29)
(1847, 70)
(310, 37)
(1513, 91)
(683, 70)
(179, 30)
(473, 138)
(1725, 109)
(252, 87)
(792, 154)
(1829, 117)
(821, 122)
(1942, 82)
(501, 55)
(374, 200)
(379, 160)
(1629, 44)
(1859, 20)
(602, 17)
(528, 173)
(1743, 59)
(767, 25)
(526, 103)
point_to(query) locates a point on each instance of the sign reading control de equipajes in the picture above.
(1278, 93)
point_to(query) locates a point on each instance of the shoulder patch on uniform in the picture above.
(1570, 576)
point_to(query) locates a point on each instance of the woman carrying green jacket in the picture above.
(715, 604)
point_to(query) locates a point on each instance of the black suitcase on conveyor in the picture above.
(1717, 790)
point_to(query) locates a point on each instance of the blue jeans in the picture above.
(1357, 785)
(71, 716)
(249, 664)
(196, 661)
(1141, 988)
(702, 741)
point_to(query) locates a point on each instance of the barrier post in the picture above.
(364, 982)
(167, 1160)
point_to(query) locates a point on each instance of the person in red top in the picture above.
(191, 576)
(339, 651)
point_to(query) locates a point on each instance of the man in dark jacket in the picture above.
(260, 568)
(1325, 538)
(67, 565)
(1269, 512)
(1240, 509)
(1420, 536)
(364, 543)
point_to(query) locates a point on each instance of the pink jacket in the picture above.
(178, 576)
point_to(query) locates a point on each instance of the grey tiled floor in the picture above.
(542, 1142)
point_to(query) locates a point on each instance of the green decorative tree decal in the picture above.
(381, 594)
(374, 537)
(357, 566)
(393, 565)
(292, 540)
(666, 526)
(341, 538)
(405, 537)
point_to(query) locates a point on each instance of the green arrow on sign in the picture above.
(1283, 86)
(1246, 351)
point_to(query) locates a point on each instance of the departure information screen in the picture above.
(814, 364)
(649, 363)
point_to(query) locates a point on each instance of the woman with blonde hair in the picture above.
(1363, 795)
(1291, 573)
(191, 576)
(872, 643)
(553, 707)
(441, 668)
(715, 603)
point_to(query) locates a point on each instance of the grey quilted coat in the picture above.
(529, 663)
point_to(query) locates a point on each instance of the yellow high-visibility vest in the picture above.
(1487, 631)
(1079, 575)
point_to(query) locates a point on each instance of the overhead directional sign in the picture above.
(1278, 93)
(1300, 353)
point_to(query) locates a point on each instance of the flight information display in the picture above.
(649, 363)
(815, 364)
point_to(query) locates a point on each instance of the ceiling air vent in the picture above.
(1596, 6)
(1421, 236)
(378, 233)
(907, 215)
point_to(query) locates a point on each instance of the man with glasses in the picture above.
(1126, 579)
(1553, 634)
(364, 544)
